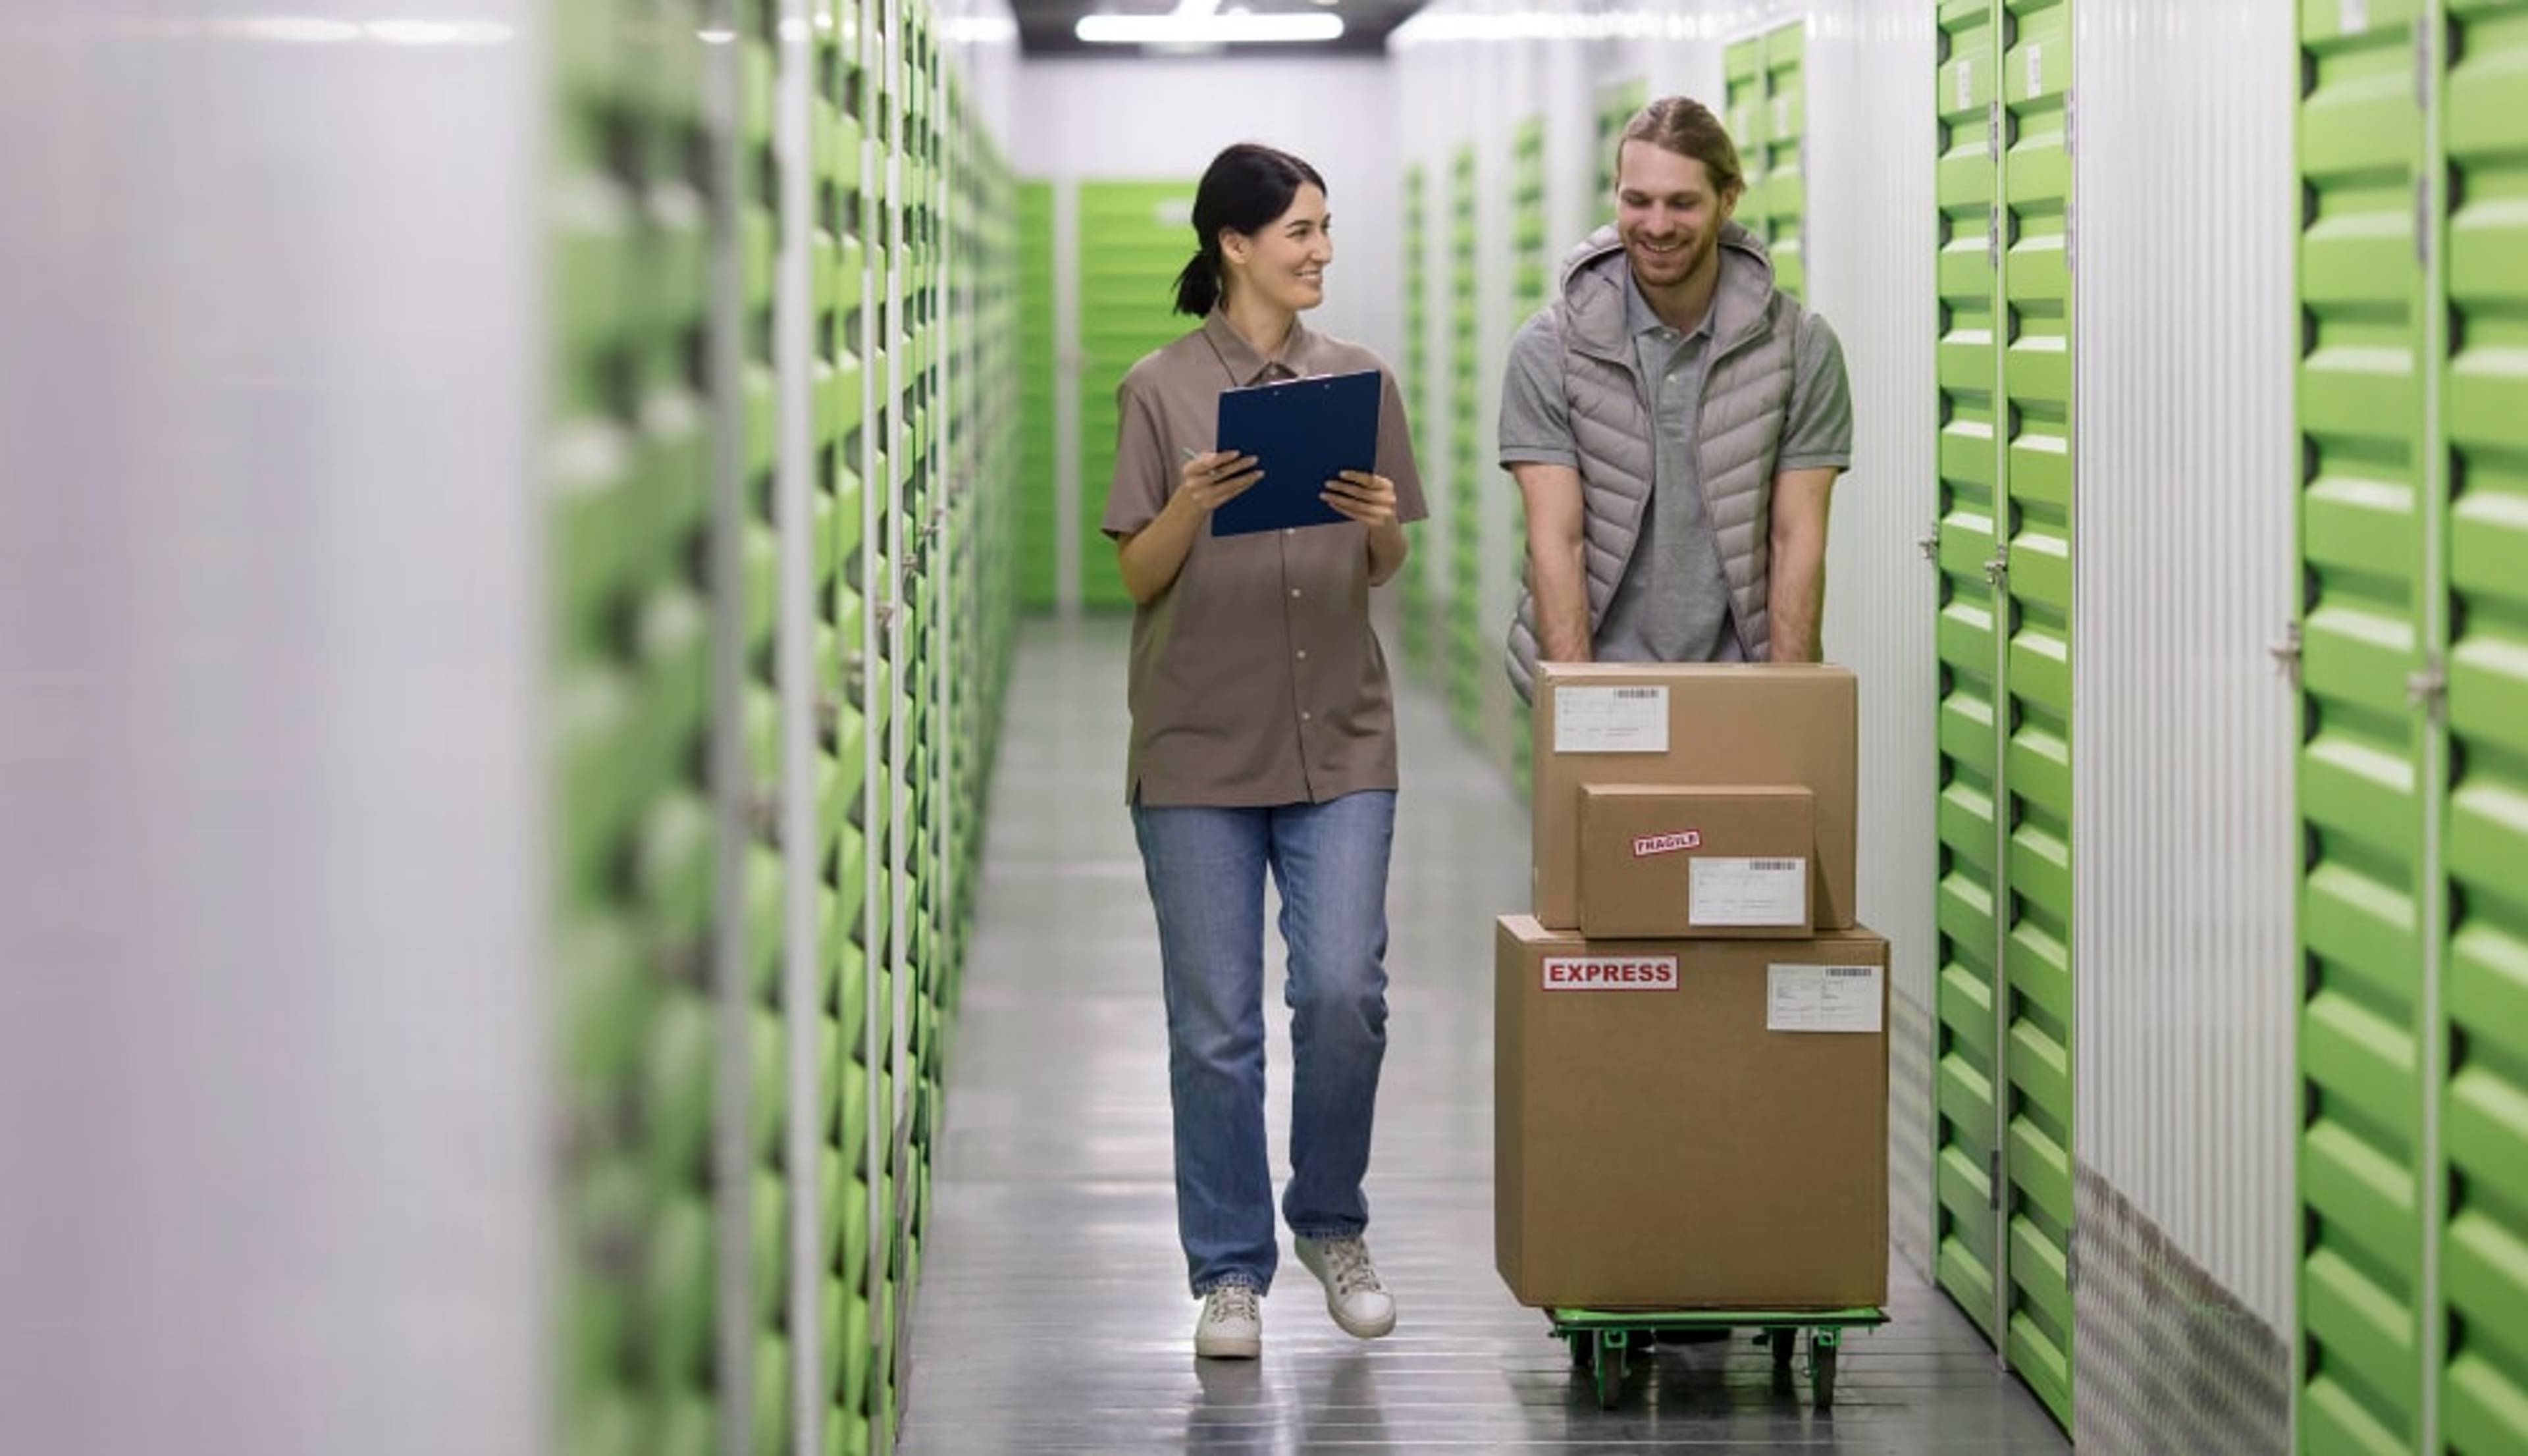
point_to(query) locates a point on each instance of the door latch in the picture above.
(1997, 570)
(2287, 652)
(1929, 541)
(2428, 688)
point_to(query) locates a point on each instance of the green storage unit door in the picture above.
(1967, 646)
(2036, 675)
(1617, 104)
(1039, 523)
(2484, 410)
(1468, 461)
(1744, 111)
(2363, 745)
(1133, 239)
(1532, 282)
(1785, 154)
(1420, 631)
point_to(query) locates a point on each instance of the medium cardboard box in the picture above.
(1694, 723)
(1690, 1123)
(1696, 862)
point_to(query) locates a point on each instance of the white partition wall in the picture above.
(2185, 842)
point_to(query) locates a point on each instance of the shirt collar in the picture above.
(1248, 366)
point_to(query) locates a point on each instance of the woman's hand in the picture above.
(1208, 482)
(1364, 498)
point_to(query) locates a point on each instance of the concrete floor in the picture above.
(1052, 1314)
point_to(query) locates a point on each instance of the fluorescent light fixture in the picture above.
(1206, 29)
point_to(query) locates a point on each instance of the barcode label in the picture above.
(1723, 891)
(1844, 999)
(1610, 721)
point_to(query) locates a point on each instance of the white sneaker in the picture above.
(1359, 1303)
(1231, 1326)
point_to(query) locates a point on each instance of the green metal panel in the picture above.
(1784, 155)
(1967, 644)
(1468, 461)
(1531, 289)
(1039, 526)
(1616, 103)
(2362, 519)
(1134, 238)
(1743, 110)
(2484, 411)
(1422, 633)
(2037, 678)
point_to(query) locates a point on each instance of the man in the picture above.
(1676, 426)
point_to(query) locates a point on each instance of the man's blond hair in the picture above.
(1686, 128)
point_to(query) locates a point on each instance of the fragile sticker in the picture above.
(1610, 721)
(1723, 891)
(1847, 999)
(1667, 843)
(1611, 973)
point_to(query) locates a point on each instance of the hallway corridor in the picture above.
(1053, 1316)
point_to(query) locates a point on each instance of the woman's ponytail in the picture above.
(1198, 285)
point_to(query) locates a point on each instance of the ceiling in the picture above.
(1045, 26)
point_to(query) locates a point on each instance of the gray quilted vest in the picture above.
(1738, 430)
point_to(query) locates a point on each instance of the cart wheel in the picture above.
(1582, 1345)
(1784, 1340)
(1610, 1368)
(1822, 1353)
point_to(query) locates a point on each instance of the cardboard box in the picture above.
(1696, 862)
(1662, 1138)
(1694, 723)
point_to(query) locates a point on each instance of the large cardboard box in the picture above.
(1690, 1123)
(1732, 863)
(1694, 723)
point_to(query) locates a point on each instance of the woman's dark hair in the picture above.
(1244, 189)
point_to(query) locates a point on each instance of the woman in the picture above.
(1262, 737)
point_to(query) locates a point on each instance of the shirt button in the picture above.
(1304, 654)
(1289, 531)
(1295, 591)
(1307, 717)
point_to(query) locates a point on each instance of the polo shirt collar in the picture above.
(1640, 318)
(1244, 363)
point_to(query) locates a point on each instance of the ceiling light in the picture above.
(1206, 29)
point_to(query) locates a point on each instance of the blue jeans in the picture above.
(1205, 869)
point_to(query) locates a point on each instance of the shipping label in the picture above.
(1824, 998)
(1610, 721)
(1724, 891)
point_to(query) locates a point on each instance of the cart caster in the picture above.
(1823, 1346)
(1611, 1361)
(1583, 1346)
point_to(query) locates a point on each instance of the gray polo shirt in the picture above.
(1256, 678)
(1672, 602)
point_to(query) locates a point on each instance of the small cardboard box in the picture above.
(1701, 723)
(1690, 1123)
(1696, 862)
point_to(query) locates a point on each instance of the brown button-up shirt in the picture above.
(1256, 678)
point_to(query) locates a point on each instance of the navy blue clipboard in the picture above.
(1302, 434)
